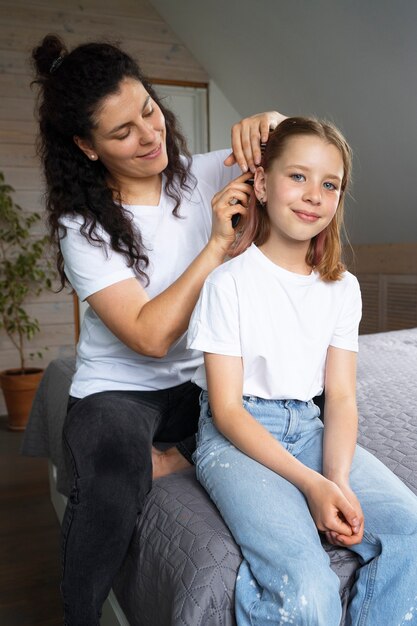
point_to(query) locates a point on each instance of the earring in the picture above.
(93, 157)
(262, 202)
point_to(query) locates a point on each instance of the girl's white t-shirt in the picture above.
(280, 323)
(172, 243)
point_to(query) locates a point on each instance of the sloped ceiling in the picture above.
(352, 61)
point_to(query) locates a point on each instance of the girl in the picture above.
(132, 222)
(278, 324)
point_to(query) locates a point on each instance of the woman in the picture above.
(278, 324)
(130, 213)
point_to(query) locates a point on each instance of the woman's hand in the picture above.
(227, 202)
(338, 516)
(247, 136)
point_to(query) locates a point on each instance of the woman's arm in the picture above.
(150, 326)
(340, 429)
(328, 506)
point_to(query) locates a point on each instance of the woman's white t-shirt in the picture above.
(280, 323)
(172, 243)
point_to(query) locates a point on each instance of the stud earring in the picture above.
(93, 157)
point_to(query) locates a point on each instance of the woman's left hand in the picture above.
(247, 136)
(229, 201)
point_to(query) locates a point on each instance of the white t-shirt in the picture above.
(280, 323)
(172, 243)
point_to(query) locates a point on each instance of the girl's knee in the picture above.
(303, 605)
(311, 599)
(298, 597)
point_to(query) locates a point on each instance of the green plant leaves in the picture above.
(23, 270)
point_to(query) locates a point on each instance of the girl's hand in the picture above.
(333, 513)
(357, 529)
(247, 136)
(227, 202)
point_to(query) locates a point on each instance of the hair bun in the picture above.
(46, 54)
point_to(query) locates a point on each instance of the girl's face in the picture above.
(302, 188)
(130, 135)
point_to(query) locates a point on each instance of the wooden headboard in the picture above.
(387, 274)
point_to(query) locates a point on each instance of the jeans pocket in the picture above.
(205, 419)
(205, 428)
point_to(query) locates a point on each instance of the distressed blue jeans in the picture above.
(285, 576)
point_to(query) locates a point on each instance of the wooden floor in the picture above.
(29, 539)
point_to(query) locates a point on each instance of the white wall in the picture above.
(352, 61)
(222, 116)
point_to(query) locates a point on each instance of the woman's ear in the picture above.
(259, 184)
(85, 146)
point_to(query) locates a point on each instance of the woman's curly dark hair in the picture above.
(72, 87)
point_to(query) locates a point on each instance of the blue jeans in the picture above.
(285, 577)
(108, 438)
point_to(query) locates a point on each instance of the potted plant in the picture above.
(23, 273)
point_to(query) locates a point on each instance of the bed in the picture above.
(181, 566)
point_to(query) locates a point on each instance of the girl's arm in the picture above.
(340, 414)
(329, 507)
(340, 429)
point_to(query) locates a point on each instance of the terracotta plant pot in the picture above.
(19, 390)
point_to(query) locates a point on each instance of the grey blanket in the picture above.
(181, 566)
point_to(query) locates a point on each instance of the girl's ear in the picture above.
(85, 146)
(259, 184)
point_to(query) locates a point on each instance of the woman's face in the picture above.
(302, 188)
(129, 136)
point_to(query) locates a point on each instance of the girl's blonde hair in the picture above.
(325, 250)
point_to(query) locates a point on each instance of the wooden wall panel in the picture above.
(23, 178)
(17, 132)
(16, 109)
(18, 155)
(138, 9)
(23, 23)
(387, 274)
(389, 302)
(383, 258)
(370, 304)
(16, 84)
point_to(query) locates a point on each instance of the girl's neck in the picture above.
(290, 255)
(141, 191)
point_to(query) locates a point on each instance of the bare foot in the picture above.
(166, 462)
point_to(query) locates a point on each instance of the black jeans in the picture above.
(107, 441)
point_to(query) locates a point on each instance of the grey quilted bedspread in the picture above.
(181, 566)
(387, 400)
